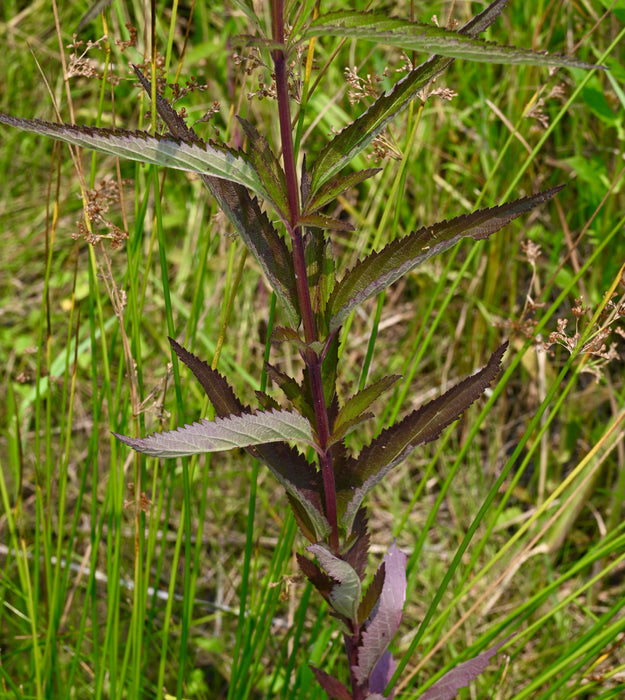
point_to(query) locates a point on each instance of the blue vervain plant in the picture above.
(326, 490)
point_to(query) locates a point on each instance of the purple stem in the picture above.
(311, 359)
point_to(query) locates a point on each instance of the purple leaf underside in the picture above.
(382, 268)
(386, 616)
(446, 688)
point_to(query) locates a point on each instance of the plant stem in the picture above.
(311, 358)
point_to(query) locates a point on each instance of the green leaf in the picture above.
(415, 36)
(395, 443)
(332, 189)
(200, 157)
(225, 434)
(345, 594)
(355, 137)
(381, 269)
(354, 410)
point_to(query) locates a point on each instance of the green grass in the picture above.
(127, 577)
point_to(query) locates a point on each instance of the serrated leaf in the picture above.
(267, 167)
(386, 616)
(244, 213)
(331, 190)
(345, 593)
(300, 479)
(333, 687)
(354, 409)
(219, 392)
(382, 268)
(356, 552)
(415, 36)
(199, 157)
(395, 443)
(447, 687)
(261, 239)
(354, 138)
(225, 434)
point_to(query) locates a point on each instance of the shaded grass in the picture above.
(121, 575)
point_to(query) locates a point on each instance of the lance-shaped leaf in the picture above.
(344, 595)
(355, 137)
(395, 443)
(416, 36)
(199, 157)
(447, 687)
(386, 617)
(354, 411)
(267, 167)
(300, 479)
(225, 434)
(260, 238)
(244, 213)
(332, 189)
(333, 687)
(380, 269)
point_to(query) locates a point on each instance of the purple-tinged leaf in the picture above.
(386, 617)
(382, 268)
(267, 167)
(372, 594)
(225, 434)
(345, 593)
(299, 478)
(356, 551)
(292, 390)
(333, 687)
(356, 136)
(396, 442)
(446, 688)
(331, 190)
(416, 36)
(260, 238)
(199, 157)
(354, 409)
(174, 122)
(303, 520)
(219, 392)
(319, 579)
(381, 675)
